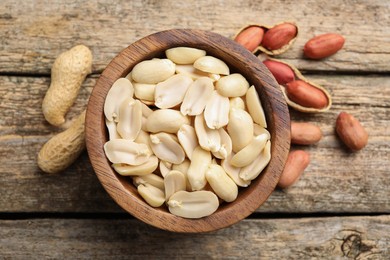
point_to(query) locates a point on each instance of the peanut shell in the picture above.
(299, 76)
(261, 48)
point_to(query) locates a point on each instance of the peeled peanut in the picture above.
(351, 132)
(250, 37)
(226, 145)
(165, 167)
(121, 90)
(188, 140)
(184, 55)
(174, 181)
(249, 153)
(130, 119)
(306, 95)
(197, 96)
(237, 102)
(254, 107)
(216, 112)
(279, 36)
(152, 195)
(170, 92)
(200, 162)
(305, 133)
(258, 130)
(233, 85)
(183, 168)
(323, 45)
(166, 147)
(112, 131)
(240, 128)
(209, 139)
(153, 71)
(220, 182)
(297, 162)
(282, 73)
(195, 74)
(126, 151)
(234, 172)
(144, 92)
(195, 204)
(137, 170)
(151, 178)
(143, 138)
(211, 64)
(166, 120)
(64, 148)
(67, 74)
(251, 171)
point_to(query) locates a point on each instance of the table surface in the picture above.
(340, 208)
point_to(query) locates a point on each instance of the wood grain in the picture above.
(307, 238)
(335, 181)
(34, 33)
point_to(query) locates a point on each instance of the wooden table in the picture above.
(340, 208)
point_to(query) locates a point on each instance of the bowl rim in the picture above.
(151, 46)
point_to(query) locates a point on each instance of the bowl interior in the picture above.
(239, 60)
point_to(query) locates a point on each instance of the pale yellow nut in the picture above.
(258, 130)
(143, 138)
(146, 111)
(170, 92)
(112, 130)
(226, 145)
(197, 96)
(144, 91)
(63, 149)
(254, 107)
(233, 85)
(126, 151)
(137, 170)
(250, 152)
(253, 170)
(233, 172)
(216, 112)
(187, 138)
(166, 120)
(165, 167)
(166, 148)
(153, 71)
(195, 204)
(152, 195)
(152, 179)
(200, 162)
(240, 128)
(184, 55)
(67, 75)
(221, 183)
(174, 181)
(183, 168)
(130, 119)
(121, 90)
(211, 64)
(237, 103)
(193, 73)
(209, 139)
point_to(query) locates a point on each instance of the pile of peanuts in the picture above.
(202, 127)
(300, 93)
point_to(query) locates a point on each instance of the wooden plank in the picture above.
(336, 180)
(34, 33)
(320, 238)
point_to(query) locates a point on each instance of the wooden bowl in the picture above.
(239, 60)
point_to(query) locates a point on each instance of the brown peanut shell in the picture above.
(298, 75)
(267, 27)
